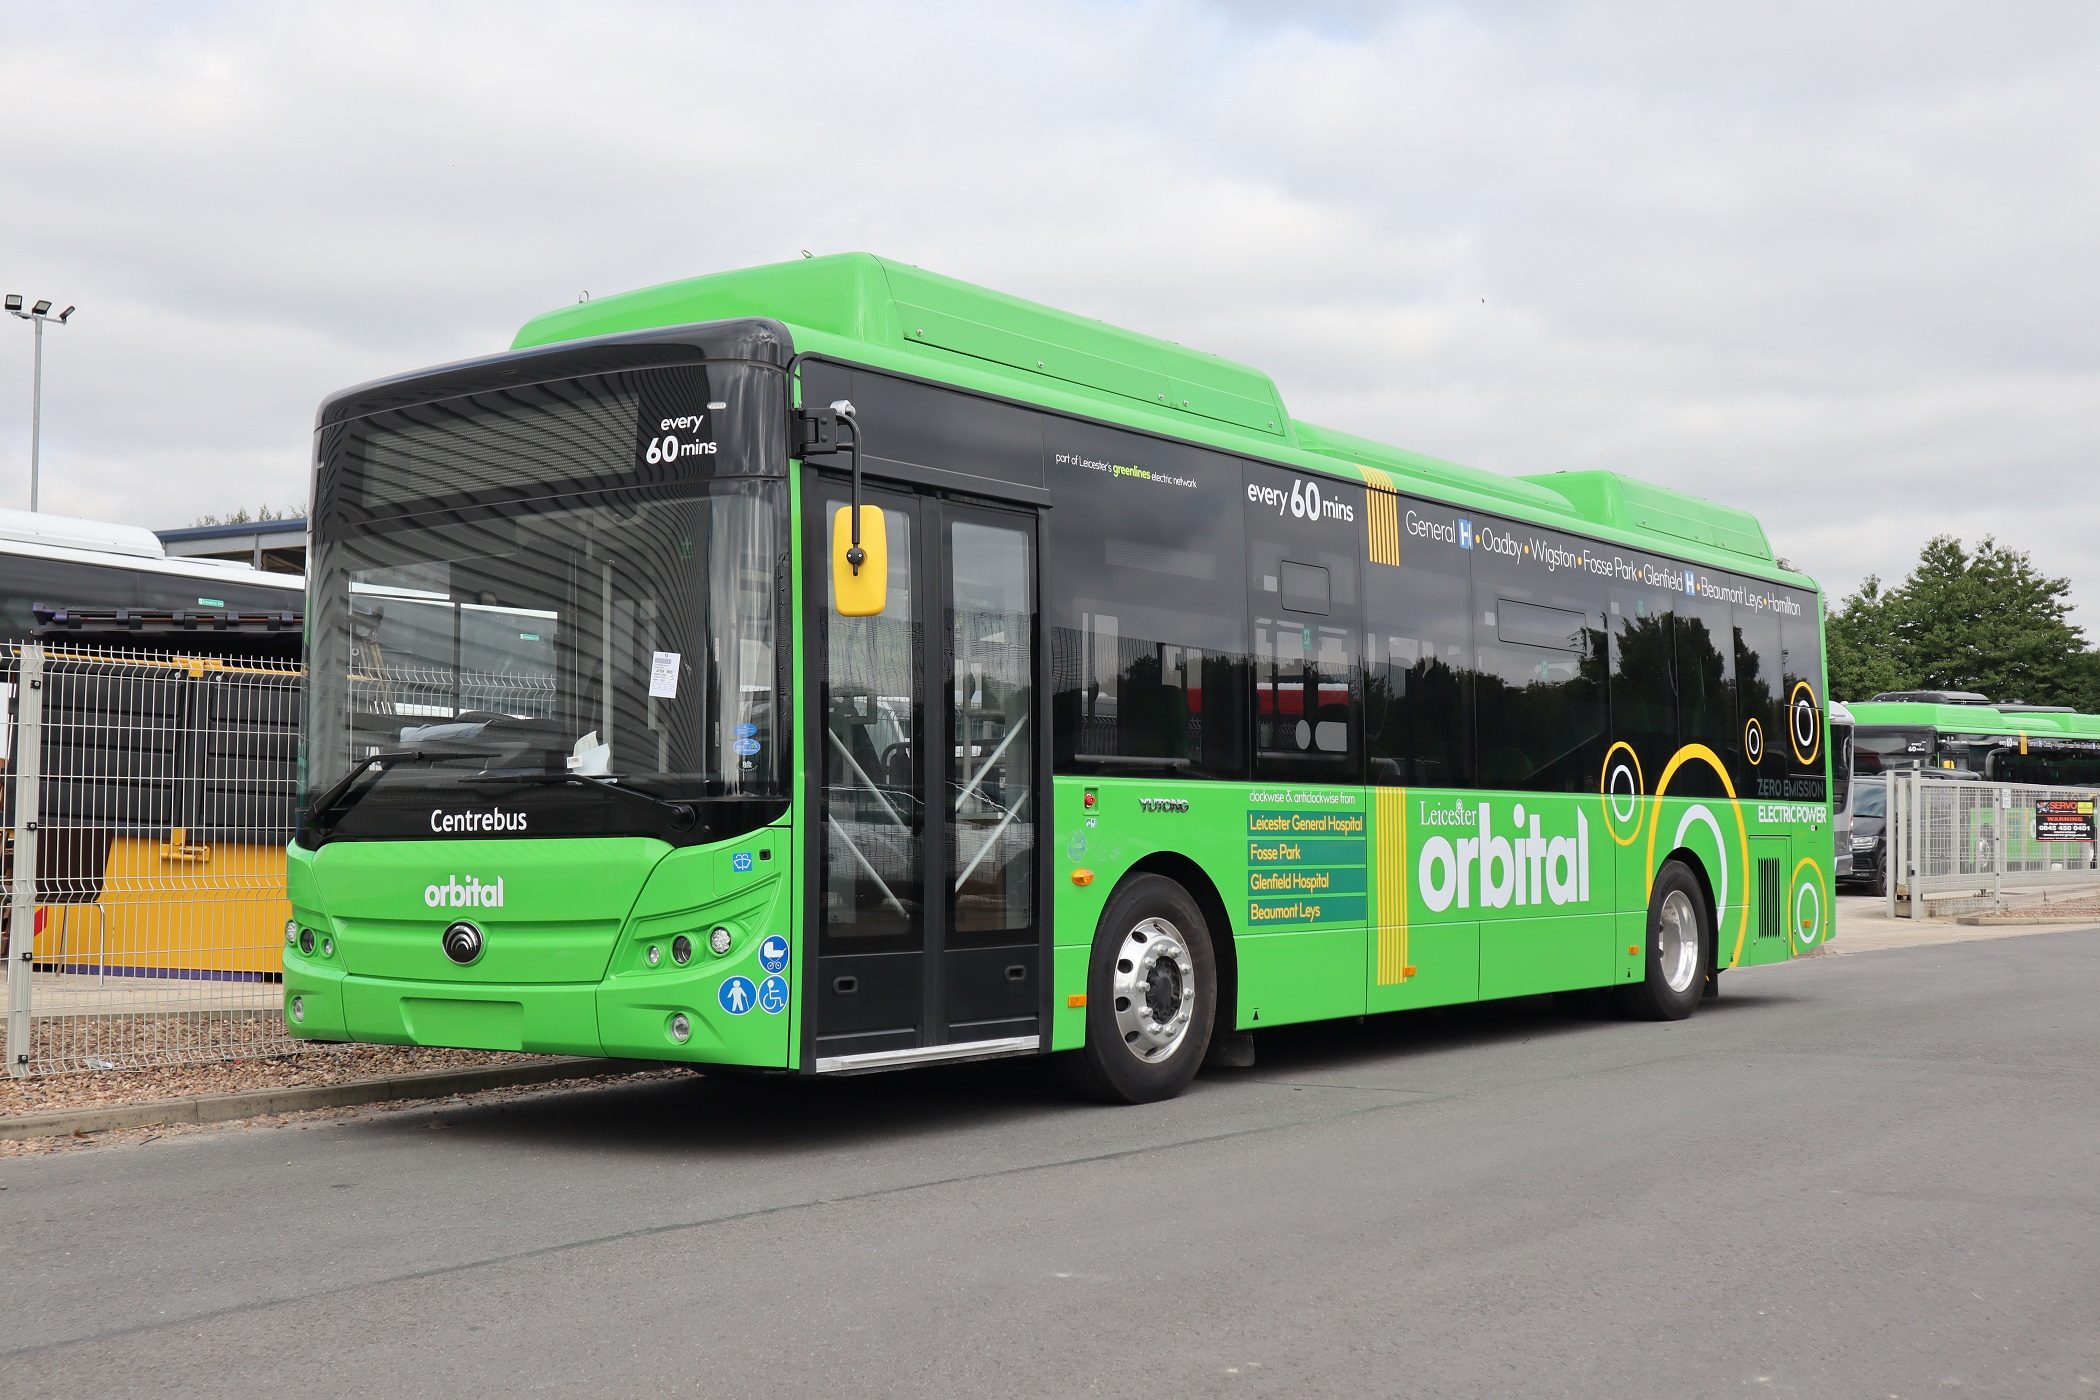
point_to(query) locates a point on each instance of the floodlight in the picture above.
(40, 309)
(63, 315)
(14, 301)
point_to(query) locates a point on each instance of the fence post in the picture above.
(2004, 834)
(1892, 846)
(1913, 847)
(28, 774)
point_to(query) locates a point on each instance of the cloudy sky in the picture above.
(1835, 263)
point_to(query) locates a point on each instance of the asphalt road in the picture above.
(1875, 1175)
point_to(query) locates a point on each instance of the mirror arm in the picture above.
(855, 555)
(817, 434)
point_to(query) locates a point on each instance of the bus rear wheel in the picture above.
(1152, 992)
(1679, 952)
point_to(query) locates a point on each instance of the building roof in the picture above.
(275, 534)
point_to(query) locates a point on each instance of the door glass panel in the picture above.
(991, 774)
(874, 809)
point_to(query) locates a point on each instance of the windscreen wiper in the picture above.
(339, 792)
(681, 814)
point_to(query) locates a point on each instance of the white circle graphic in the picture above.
(1698, 812)
(1813, 924)
(1632, 793)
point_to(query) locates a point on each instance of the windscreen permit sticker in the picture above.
(663, 675)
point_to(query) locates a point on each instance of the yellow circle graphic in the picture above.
(1712, 760)
(1798, 709)
(1610, 795)
(1801, 932)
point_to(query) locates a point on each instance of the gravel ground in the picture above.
(435, 1110)
(331, 1064)
(2069, 912)
(100, 1041)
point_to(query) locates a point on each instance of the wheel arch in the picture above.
(1690, 860)
(1201, 888)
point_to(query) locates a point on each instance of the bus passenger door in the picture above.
(928, 913)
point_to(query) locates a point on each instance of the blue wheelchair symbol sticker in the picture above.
(773, 995)
(745, 746)
(737, 994)
(773, 953)
(740, 862)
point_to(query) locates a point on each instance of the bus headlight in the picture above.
(719, 940)
(681, 1028)
(306, 941)
(655, 955)
(291, 931)
(681, 950)
(298, 1009)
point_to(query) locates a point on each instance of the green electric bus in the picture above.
(2003, 741)
(833, 667)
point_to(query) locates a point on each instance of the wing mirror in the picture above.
(860, 554)
(860, 561)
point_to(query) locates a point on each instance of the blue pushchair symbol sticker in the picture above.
(773, 995)
(737, 994)
(740, 862)
(773, 953)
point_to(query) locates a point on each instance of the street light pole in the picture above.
(36, 414)
(36, 315)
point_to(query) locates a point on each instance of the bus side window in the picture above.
(1146, 564)
(1804, 703)
(1644, 676)
(1705, 693)
(1540, 668)
(1418, 701)
(1760, 705)
(1304, 536)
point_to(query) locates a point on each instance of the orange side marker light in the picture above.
(1406, 972)
(1082, 877)
(1077, 999)
(1633, 950)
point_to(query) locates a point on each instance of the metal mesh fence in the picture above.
(1955, 838)
(149, 799)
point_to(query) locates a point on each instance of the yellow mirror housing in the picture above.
(866, 592)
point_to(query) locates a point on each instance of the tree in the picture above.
(1861, 662)
(1989, 621)
(242, 517)
(1986, 621)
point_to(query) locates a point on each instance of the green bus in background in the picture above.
(832, 667)
(1963, 732)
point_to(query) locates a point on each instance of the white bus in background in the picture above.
(1841, 789)
(101, 584)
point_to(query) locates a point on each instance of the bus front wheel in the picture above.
(1152, 991)
(1679, 949)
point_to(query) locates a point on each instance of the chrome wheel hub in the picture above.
(1677, 940)
(1154, 987)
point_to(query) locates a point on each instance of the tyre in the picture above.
(1879, 885)
(1152, 993)
(1680, 942)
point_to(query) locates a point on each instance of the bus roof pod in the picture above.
(847, 301)
(877, 301)
(72, 532)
